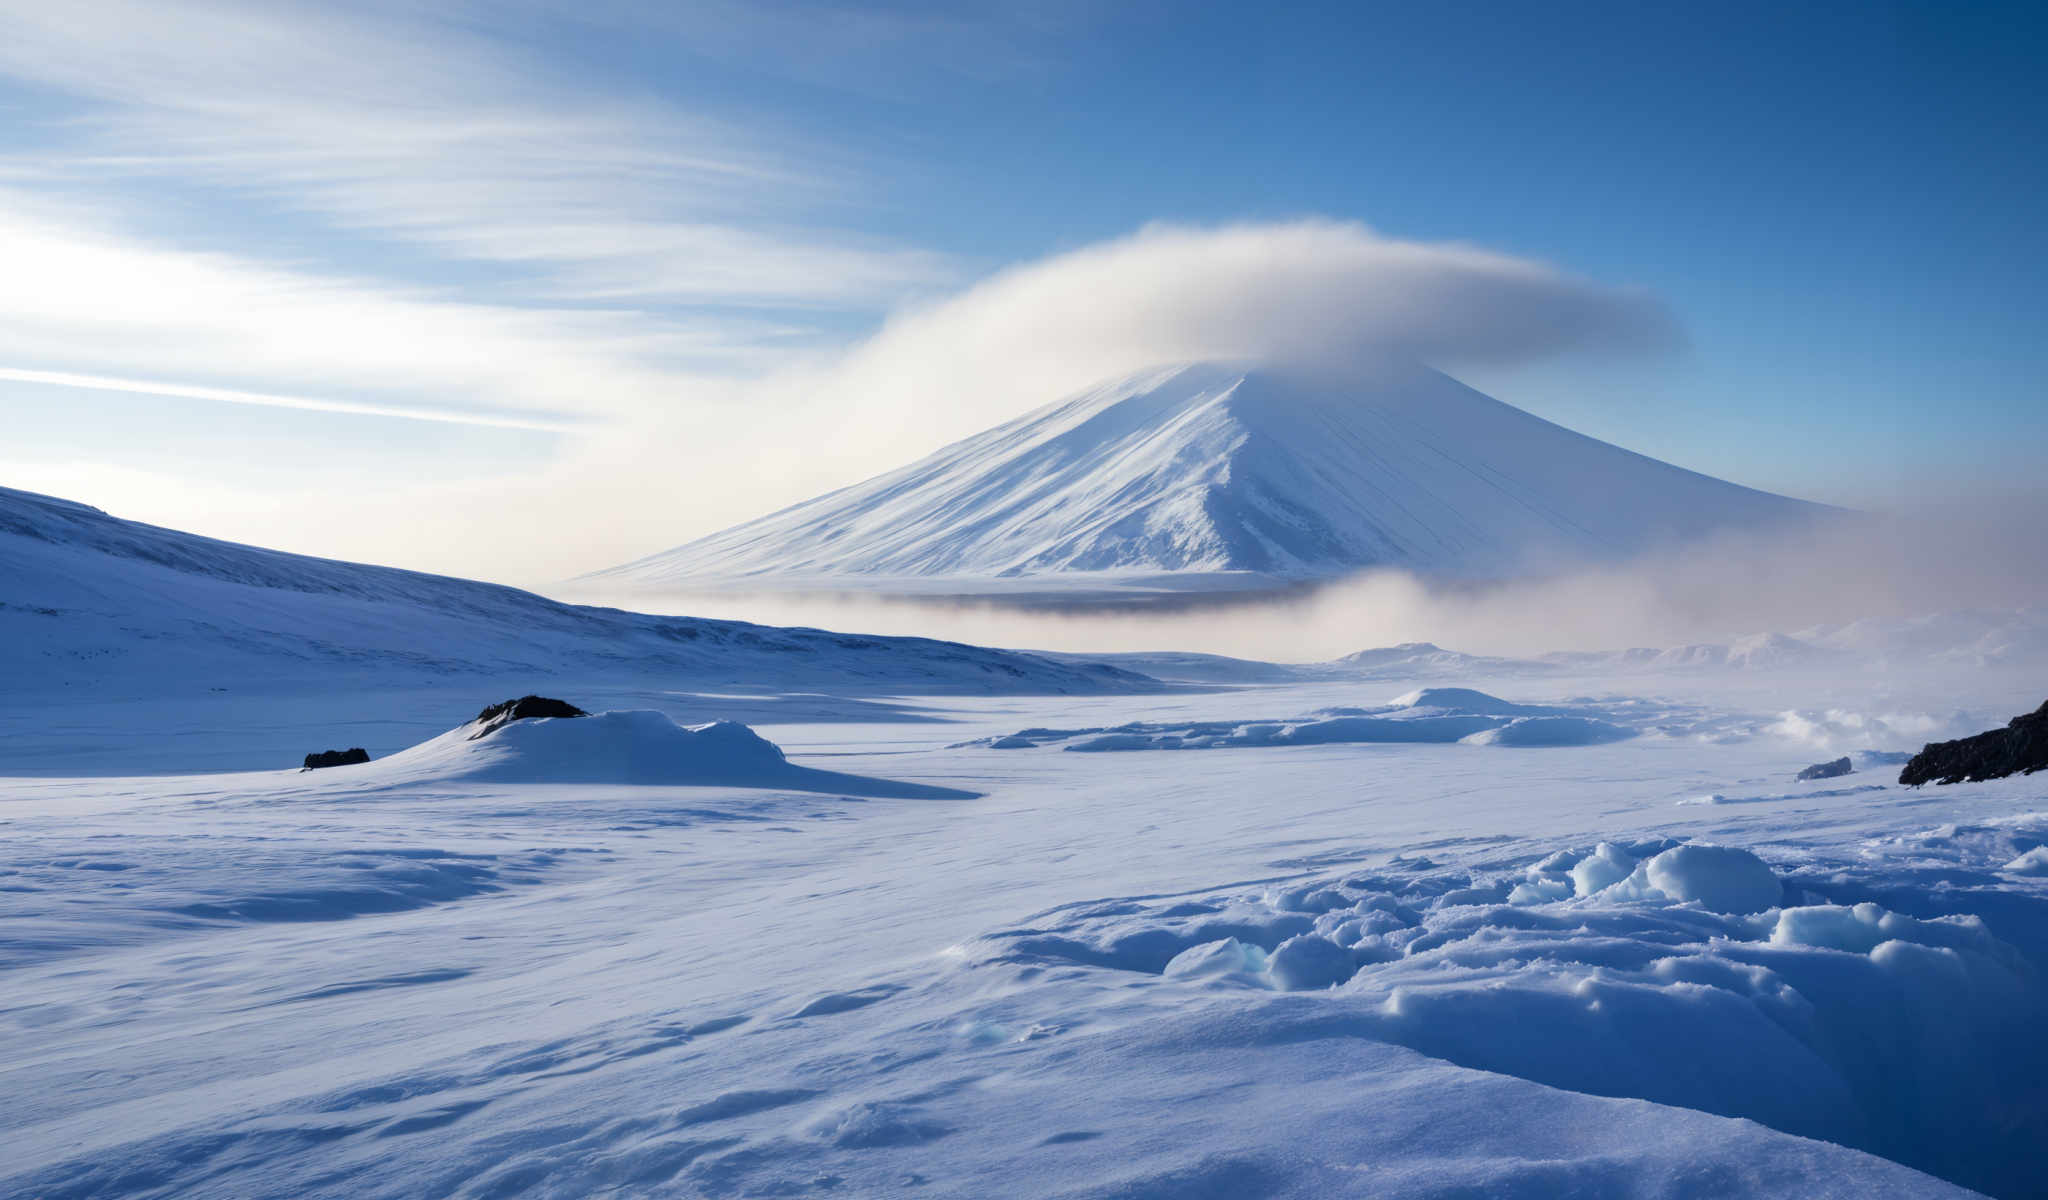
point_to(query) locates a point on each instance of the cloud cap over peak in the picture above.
(1304, 292)
(1307, 294)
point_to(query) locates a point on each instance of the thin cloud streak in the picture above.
(141, 387)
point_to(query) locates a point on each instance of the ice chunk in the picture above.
(1540, 891)
(1721, 878)
(1311, 899)
(2033, 862)
(1228, 960)
(1831, 926)
(1606, 866)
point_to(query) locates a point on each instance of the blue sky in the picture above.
(667, 235)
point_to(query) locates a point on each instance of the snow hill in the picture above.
(96, 605)
(1208, 476)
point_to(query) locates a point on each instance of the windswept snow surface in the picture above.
(1426, 715)
(1208, 476)
(619, 956)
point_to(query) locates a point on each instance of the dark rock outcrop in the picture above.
(503, 713)
(2020, 748)
(1827, 770)
(336, 758)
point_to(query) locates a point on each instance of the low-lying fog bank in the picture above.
(1816, 581)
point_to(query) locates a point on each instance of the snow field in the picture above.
(1390, 968)
(650, 953)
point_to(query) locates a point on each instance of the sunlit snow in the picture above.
(796, 913)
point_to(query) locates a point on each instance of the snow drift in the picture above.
(1683, 973)
(614, 747)
(636, 746)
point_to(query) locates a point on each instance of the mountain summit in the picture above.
(1212, 475)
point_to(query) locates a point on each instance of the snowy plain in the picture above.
(887, 933)
(1356, 968)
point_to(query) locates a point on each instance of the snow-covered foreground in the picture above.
(610, 956)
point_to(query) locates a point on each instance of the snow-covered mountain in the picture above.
(90, 603)
(1209, 475)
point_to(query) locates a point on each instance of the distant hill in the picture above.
(119, 609)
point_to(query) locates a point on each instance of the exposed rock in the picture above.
(1828, 770)
(503, 713)
(2020, 748)
(337, 758)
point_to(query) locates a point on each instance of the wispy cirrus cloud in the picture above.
(400, 211)
(80, 300)
(150, 387)
(412, 125)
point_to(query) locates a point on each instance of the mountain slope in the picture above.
(1208, 470)
(96, 604)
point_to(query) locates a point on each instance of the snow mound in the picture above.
(1426, 716)
(1416, 660)
(1718, 878)
(1310, 962)
(1552, 731)
(631, 746)
(1225, 960)
(1461, 700)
